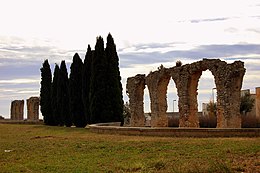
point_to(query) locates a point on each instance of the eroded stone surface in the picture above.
(135, 88)
(17, 107)
(228, 80)
(257, 103)
(157, 83)
(33, 108)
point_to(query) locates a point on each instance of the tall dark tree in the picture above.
(54, 95)
(100, 105)
(114, 85)
(75, 86)
(63, 96)
(45, 92)
(86, 82)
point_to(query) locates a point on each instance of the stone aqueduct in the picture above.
(17, 109)
(228, 80)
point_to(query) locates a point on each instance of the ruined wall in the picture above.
(135, 90)
(33, 108)
(228, 80)
(257, 103)
(17, 107)
(157, 83)
(186, 79)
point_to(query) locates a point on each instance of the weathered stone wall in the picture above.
(157, 83)
(17, 107)
(33, 108)
(135, 88)
(228, 80)
(257, 103)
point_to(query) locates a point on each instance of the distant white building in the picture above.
(204, 109)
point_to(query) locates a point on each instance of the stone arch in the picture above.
(157, 83)
(228, 81)
(186, 79)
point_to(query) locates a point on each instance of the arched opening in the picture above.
(207, 95)
(172, 105)
(147, 107)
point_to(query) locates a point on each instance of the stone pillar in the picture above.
(157, 83)
(257, 103)
(186, 80)
(229, 78)
(17, 107)
(33, 108)
(135, 89)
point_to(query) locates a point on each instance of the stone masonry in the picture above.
(157, 83)
(228, 80)
(33, 108)
(135, 87)
(17, 107)
(257, 103)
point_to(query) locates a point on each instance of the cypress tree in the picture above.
(114, 81)
(54, 99)
(45, 92)
(63, 96)
(75, 86)
(99, 100)
(86, 83)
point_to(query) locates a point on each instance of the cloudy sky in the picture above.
(147, 33)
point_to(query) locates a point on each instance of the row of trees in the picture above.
(91, 94)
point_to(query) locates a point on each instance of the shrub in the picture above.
(249, 122)
(178, 63)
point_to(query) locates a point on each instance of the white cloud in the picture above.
(147, 34)
(19, 81)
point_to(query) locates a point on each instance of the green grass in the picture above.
(37, 148)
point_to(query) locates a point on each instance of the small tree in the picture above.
(212, 108)
(161, 67)
(246, 104)
(126, 114)
(45, 93)
(210, 120)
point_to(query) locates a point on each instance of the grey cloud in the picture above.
(257, 17)
(17, 48)
(209, 20)
(13, 68)
(231, 30)
(254, 30)
(226, 50)
(203, 51)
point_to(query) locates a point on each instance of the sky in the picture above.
(147, 33)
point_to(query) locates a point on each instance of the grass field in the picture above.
(38, 148)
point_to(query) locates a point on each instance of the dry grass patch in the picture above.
(38, 148)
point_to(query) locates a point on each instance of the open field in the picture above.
(38, 148)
